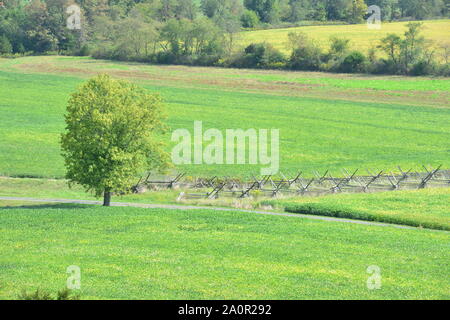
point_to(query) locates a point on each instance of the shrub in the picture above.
(306, 55)
(354, 62)
(307, 58)
(443, 70)
(102, 51)
(259, 55)
(422, 68)
(207, 60)
(165, 57)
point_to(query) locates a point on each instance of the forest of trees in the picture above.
(203, 32)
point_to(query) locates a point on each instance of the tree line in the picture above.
(203, 32)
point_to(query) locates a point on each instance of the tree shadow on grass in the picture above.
(65, 206)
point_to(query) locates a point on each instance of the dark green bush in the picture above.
(307, 58)
(354, 62)
(422, 68)
(259, 55)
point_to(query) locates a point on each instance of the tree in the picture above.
(228, 17)
(134, 38)
(249, 19)
(339, 46)
(405, 52)
(357, 11)
(413, 45)
(299, 10)
(111, 136)
(391, 46)
(420, 9)
(5, 45)
(267, 10)
(389, 8)
(210, 7)
(338, 9)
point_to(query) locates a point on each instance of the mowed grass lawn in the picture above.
(419, 208)
(131, 253)
(362, 38)
(325, 121)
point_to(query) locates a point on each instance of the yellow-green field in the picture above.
(362, 38)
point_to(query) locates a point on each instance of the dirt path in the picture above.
(180, 207)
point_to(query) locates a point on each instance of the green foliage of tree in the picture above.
(112, 136)
(391, 46)
(249, 19)
(389, 8)
(420, 9)
(267, 10)
(5, 45)
(357, 11)
(297, 10)
(184, 37)
(405, 52)
(174, 31)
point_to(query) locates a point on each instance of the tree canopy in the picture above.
(112, 136)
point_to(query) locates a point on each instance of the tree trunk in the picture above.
(107, 199)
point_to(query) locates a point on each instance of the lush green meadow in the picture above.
(362, 38)
(131, 253)
(325, 121)
(419, 208)
(427, 208)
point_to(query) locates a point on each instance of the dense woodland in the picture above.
(203, 32)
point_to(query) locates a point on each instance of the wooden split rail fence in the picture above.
(299, 185)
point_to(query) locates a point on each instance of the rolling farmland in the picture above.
(326, 121)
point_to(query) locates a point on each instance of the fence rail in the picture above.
(299, 185)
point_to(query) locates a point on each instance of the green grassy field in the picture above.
(361, 37)
(325, 121)
(128, 253)
(419, 208)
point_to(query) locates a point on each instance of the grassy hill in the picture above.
(130, 253)
(326, 121)
(361, 37)
(419, 208)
